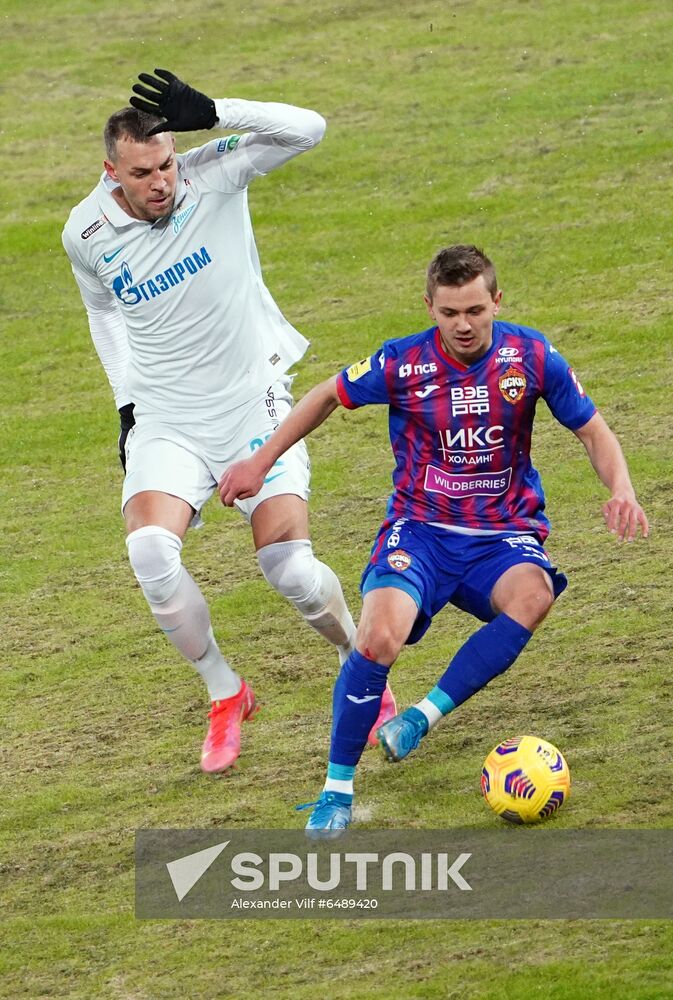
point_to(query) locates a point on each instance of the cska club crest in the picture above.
(399, 560)
(512, 385)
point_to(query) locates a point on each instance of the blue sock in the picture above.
(487, 653)
(355, 707)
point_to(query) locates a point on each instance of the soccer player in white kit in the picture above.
(196, 352)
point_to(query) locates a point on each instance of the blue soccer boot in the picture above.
(330, 817)
(402, 734)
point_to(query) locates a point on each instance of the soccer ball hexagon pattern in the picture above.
(525, 779)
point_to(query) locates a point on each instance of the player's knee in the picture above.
(154, 554)
(540, 601)
(530, 606)
(292, 570)
(380, 641)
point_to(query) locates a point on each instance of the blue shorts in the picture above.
(437, 567)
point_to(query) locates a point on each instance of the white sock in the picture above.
(221, 681)
(313, 588)
(338, 785)
(430, 711)
(179, 607)
(185, 620)
(324, 609)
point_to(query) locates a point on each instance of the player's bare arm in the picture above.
(244, 479)
(622, 512)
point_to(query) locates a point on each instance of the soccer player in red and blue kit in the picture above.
(465, 523)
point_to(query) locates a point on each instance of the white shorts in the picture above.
(187, 458)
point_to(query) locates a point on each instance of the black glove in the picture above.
(126, 422)
(185, 109)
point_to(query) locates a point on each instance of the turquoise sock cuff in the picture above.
(340, 772)
(441, 700)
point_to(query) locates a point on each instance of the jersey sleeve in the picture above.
(106, 325)
(274, 134)
(564, 393)
(364, 382)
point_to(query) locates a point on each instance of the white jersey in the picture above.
(179, 313)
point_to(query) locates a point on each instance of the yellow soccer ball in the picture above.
(525, 779)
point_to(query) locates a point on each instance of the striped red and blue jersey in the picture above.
(461, 434)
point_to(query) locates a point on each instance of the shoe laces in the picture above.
(326, 798)
(306, 805)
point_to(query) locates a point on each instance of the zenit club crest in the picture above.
(512, 385)
(399, 559)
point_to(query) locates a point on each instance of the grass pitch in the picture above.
(538, 131)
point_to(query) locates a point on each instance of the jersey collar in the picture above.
(458, 365)
(439, 347)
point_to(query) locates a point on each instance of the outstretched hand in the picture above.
(623, 515)
(184, 108)
(241, 481)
